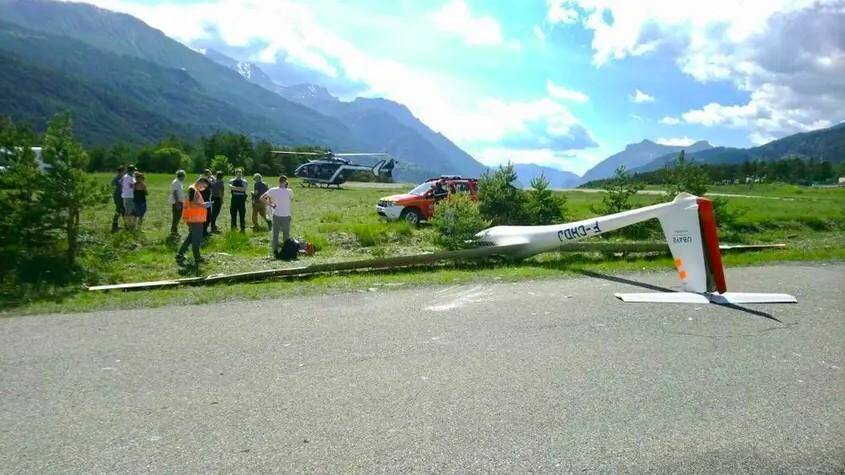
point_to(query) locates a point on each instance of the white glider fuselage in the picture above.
(689, 226)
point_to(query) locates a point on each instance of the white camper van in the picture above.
(37, 150)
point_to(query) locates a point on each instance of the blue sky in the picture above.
(562, 83)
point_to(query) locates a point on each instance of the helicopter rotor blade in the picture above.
(287, 152)
(374, 154)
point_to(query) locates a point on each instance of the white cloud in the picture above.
(760, 115)
(640, 97)
(525, 125)
(668, 120)
(623, 28)
(539, 33)
(561, 92)
(787, 55)
(559, 12)
(676, 141)
(455, 17)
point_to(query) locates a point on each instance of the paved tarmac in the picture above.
(548, 376)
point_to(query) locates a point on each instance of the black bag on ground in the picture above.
(289, 250)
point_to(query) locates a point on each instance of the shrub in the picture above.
(369, 234)
(456, 220)
(617, 198)
(542, 206)
(498, 200)
(401, 229)
(683, 176)
(727, 217)
(618, 193)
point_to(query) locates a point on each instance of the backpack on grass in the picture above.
(289, 250)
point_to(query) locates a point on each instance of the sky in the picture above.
(560, 83)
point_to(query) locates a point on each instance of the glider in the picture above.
(689, 226)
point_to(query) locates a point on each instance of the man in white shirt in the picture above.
(175, 197)
(279, 200)
(128, 195)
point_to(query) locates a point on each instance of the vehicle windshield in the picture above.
(421, 189)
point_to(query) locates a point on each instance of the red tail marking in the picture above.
(711, 243)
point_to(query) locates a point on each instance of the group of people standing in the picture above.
(238, 186)
(130, 198)
(200, 206)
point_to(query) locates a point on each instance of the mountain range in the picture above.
(156, 84)
(385, 124)
(125, 81)
(638, 155)
(823, 144)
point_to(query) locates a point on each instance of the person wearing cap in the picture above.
(127, 184)
(175, 197)
(237, 208)
(279, 199)
(217, 188)
(194, 214)
(258, 206)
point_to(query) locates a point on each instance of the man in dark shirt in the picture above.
(217, 188)
(206, 196)
(117, 189)
(237, 209)
(258, 206)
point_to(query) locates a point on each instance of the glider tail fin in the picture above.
(683, 231)
(690, 230)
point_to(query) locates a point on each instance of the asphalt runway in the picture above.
(548, 376)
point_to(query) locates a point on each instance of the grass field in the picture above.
(344, 226)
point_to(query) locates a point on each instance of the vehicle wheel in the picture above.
(411, 216)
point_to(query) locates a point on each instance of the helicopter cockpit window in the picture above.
(421, 189)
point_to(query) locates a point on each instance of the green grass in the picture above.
(343, 226)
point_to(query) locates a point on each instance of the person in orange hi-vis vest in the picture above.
(194, 214)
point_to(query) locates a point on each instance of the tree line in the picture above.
(795, 170)
(222, 150)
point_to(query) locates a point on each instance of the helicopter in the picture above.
(332, 169)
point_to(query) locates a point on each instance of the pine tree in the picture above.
(542, 206)
(25, 224)
(498, 200)
(684, 177)
(618, 192)
(67, 189)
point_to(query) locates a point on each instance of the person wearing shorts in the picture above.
(127, 184)
(140, 200)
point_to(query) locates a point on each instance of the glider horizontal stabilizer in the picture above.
(664, 297)
(742, 297)
(690, 297)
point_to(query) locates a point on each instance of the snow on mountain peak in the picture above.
(244, 69)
